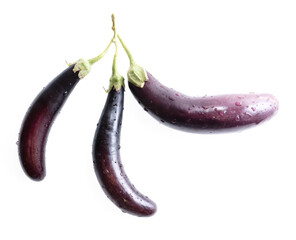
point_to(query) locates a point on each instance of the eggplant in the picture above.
(41, 115)
(106, 151)
(43, 111)
(200, 114)
(197, 114)
(107, 161)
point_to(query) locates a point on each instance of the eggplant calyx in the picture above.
(83, 67)
(137, 75)
(116, 82)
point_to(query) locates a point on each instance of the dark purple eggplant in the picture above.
(41, 114)
(197, 114)
(107, 161)
(38, 121)
(106, 152)
(43, 111)
(209, 113)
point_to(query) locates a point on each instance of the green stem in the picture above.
(136, 74)
(83, 66)
(132, 61)
(114, 66)
(97, 58)
(116, 80)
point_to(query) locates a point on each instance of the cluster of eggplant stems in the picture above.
(174, 109)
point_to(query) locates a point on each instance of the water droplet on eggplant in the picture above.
(248, 115)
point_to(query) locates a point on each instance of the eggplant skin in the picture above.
(38, 121)
(203, 114)
(107, 161)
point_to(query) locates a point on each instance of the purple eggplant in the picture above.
(38, 121)
(106, 151)
(107, 161)
(41, 114)
(43, 111)
(197, 114)
(209, 113)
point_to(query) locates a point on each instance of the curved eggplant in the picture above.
(38, 121)
(198, 114)
(107, 161)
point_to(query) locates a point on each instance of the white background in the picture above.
(230, 186)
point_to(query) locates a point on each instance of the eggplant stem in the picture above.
(132, 61)
(97, 58)
(116, 80)
(114, 66)
(136, 74)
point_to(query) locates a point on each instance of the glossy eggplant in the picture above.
(107, 161)
(203, 114)
(38, 121)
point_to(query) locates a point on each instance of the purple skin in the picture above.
(107, 161)
(203, 114)
(38, 121)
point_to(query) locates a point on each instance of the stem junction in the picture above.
(116, 80)
(136, 74)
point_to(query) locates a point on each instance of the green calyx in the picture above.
(83, 67)
(137, 75)
(116, 82)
